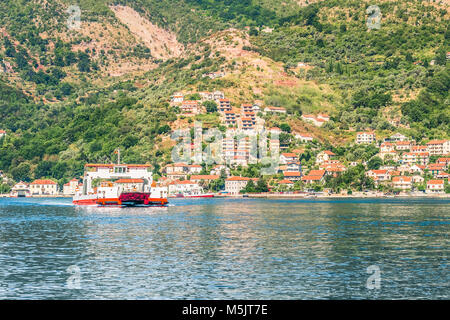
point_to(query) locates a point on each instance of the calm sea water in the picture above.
(225, 249)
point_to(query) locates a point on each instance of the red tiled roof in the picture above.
(289, 154)
(39, 181)
(182, 182)
(403, 178)
(130, 181)
(316, 173)
(379, 171)
(292, 174)
(435, 182)
(238, 179)
(205, 177)
(436, 142)
(312, 178)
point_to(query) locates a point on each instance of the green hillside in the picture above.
(61, 107)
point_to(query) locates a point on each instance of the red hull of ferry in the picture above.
(126, 200)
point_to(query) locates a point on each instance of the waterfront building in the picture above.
(292, 175)
(43, 187)
(233, 185)
(207, 178)
(286, 182)
(403, 183)
(70, 188)
(314, 176)
(185, 187)
(20, 189)
(379, 175)
(435, 186)
(417, 179)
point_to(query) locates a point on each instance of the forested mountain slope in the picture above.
(70, 96)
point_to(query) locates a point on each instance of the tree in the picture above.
(84, 63)
(22, 172)
(210, 106)
(261, 186)
(375, 163)
(250, 187)
(4, 188)
(285, 127)
(164, 129)
(441, 56)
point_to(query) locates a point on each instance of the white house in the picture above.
(69, 189)
(435, 186)
(317, 121)
(233, 185)
(365, 137)
(398, 137)
(379, 175)
(272, 109)
(177, 98)
(2, 133)
(402, 182)
(43, 187)
(304, 137)
(286, 158)
(20, 189)
(324, 156)
(185, 187)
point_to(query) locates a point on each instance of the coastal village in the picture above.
(403, 166)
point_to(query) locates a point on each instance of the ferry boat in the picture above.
(124, 185)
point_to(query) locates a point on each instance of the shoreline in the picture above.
(279, 196)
